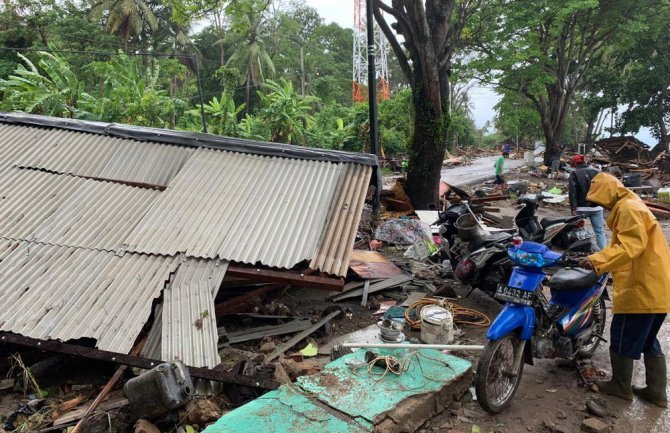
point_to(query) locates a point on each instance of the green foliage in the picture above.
(50, 88)
(517, 118)
(127, 18)
(131, 93)
(329, 130)
(545, 52)
(221, 115)
(287, 113)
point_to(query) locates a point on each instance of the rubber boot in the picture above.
(656, 373)
(620, 385)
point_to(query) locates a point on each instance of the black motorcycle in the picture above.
(479, 257)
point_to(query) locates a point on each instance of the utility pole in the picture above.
(302, 70)
(202, 103)
(372, 104)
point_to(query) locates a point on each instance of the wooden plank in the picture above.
(286, 277)
(366, 292)
(295, 340)
(268, 331)
(133, 361)
(111, 403)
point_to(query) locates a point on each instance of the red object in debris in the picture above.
(437, 239)
(517, 241)
(375, 244)
(577, 160)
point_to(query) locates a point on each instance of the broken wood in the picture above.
(366, 292)
(113, 402)
(136, 350)
(133, 361)
(286, 277)
(268, 331)
(67, 406)
(295, 340)
(235, 304)
(376, 287)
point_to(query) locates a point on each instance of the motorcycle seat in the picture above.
(488, 240)
(546, 222)
(573, 280)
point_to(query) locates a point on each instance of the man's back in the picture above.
(579, 184)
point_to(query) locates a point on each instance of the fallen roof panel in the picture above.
(189, 331)
(63, 293)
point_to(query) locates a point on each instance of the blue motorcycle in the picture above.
(570, 324)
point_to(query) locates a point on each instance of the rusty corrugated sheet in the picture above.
(99, 156)
(250, 209)
(336, 243)
(70, 211)
(63, 293)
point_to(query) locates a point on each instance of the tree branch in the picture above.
(393, 41)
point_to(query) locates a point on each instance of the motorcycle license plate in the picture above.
(580, 235)
(514, 295)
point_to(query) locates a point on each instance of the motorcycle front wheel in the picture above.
(497, 378)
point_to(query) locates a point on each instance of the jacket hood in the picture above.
(606, 190)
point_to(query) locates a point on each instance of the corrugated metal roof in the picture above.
(15, 141)
(99, 156)
(189, 330)
(250, 209)
(336, 243)
(190, 139)
(63, 293)
(70, 211)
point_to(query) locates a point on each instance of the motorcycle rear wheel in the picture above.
(495, 381)
(599, 318)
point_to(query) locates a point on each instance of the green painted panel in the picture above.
(284, 410)
(346, 385)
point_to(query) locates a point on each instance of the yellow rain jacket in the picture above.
(638, 255)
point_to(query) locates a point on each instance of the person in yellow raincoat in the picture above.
(638, 257)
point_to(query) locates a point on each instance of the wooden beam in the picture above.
(133, 361)
(235, 304)
(286, 277)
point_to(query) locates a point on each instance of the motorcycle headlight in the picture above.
(527, 259)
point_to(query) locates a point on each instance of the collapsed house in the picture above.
(623, 150)
(104, 227)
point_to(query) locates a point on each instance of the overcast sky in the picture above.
(342, 12)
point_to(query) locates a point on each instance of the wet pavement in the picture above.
(480, 170)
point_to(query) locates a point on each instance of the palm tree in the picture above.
(127, 18)
(249, 55)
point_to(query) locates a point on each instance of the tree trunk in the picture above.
(427, 151)
(663, 128)
(553, 121)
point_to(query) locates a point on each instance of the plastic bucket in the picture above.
(437, 325)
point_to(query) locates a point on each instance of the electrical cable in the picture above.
(462, 315)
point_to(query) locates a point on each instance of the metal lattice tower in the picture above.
(360, 71)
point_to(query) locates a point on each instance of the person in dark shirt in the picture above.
(578, 187)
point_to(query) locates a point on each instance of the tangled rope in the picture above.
(462, 315)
